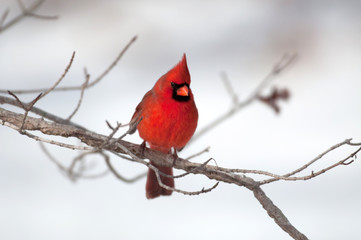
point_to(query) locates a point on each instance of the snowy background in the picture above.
(243, 39)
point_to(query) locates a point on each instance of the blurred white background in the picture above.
(242, 38)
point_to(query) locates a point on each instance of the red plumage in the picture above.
(169, 119)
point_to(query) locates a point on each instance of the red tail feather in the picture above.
(152, 187)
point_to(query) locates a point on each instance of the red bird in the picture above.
(169, 118)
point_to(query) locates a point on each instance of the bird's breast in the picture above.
(168, 124)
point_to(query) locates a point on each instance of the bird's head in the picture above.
(175, 83)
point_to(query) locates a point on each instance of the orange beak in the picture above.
(183, 91)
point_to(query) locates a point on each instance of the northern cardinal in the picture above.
(168, 118)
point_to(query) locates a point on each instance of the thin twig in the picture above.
(275, 178)
(17, 100)
(109, 125)
(51, 157)
(3, 18)
(133, 124)
(70, 170)
(111, 135)
(190, 171)
(132, 127)
(117, 175)
(229, 88)
(249, 171)
(114, 63)
(347, 141)
(314, 174)
(85, 84)
(61, 77)
(198, 154)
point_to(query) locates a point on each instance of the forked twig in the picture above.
(26, 108)
(29, 12)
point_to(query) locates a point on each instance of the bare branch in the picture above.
(136, 154)
(90, 84)
(314, 174)
(284, 177)
(157, 172)
(38, 111)
(274, 212)
(191, 171)
(40, 139)
(14, 120)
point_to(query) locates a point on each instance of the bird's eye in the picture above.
(172, 84)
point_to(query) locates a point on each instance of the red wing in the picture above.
(138, 111)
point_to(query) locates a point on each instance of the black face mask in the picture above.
(177, 97)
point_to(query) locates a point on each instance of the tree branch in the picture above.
(136, 153)
(90, 84)
(278, 68)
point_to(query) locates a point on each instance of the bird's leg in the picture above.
(174, 155)
(142, 146)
